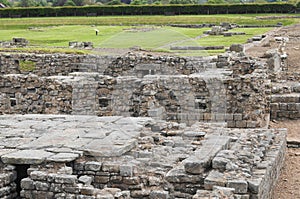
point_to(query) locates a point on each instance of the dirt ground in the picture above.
(288, 186)
(292, 48)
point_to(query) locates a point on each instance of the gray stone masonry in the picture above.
(124, 157)
(213, 95)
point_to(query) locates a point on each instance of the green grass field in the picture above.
(245, 19)
(122, 32)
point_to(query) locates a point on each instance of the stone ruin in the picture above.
(223, 30)
(15, 42)
(142, 126)
(85, 45)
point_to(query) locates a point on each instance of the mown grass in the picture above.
(245, 19)
(46, 34)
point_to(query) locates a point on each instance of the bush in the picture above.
(116, 9)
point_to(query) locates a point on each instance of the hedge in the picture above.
(148, 10)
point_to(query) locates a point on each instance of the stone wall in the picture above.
(285, 97)
(25, 94)
(131, 64)
(285, 106)
(249, 96)
(164, 87)
(8, 187)
(208, 96)
(47, 183)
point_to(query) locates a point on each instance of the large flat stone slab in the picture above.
(114, 148)
(54, 137)
(63, 157)
(26, 157)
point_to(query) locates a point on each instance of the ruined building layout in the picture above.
(143, 126)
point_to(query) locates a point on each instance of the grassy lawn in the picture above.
(61, 35)
(58, 32)
(245, 19)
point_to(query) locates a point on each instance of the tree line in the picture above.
(56, 3)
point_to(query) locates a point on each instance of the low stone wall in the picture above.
(285, 106)
(25, 94)
(249, 96)
(8, 187)
(63, 184)
(131, 64)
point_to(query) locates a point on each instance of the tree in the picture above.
(183, 2)
(89, 2)
(59, 2)
(5, 2)
(27, 3)
(78, 2)
(215, 1)
(138, 2)
(69, 3)
(114, 2)
(42, 3)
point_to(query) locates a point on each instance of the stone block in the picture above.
(93, 166)
(126, 170)
(66, 179)
(140, 193)
(227, 191)
(237, 117)
(86, 180)
(178, 175)
(132, 180)
(111, 167)
(244, 196)
(241, 124)
(41, 186)
(240, 186)
(87, 190)
(254, 185)
(214, 178)
(56, 188)
(101, 179)
(27, 184)
(231, 124)
(159, 195)
(38, 175)
(219, 163)
(251, 124)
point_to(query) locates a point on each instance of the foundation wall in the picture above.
(241, 102)
(129, 65)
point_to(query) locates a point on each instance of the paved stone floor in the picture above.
(32, 139)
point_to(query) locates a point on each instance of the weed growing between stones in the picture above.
(26, 66)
